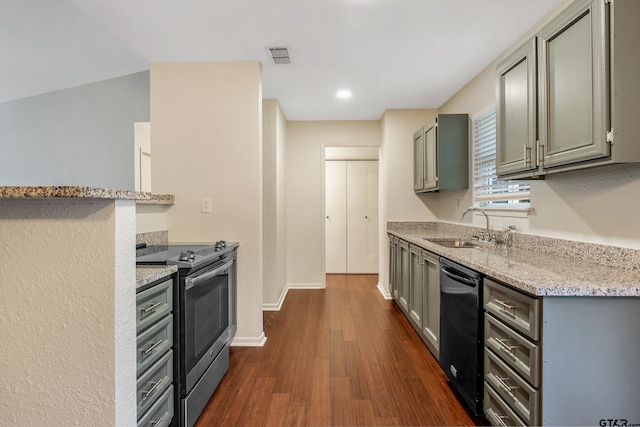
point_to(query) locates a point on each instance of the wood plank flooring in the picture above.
(342, 356)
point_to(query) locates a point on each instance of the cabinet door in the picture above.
(431, 301)
(572, 89)
(403, 287)
(392, 267)
(415, 284)
(516, 112)
(336, 213)
(431, 156)
(362, 217)
(418, 160)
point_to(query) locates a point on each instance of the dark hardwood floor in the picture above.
(342, 356)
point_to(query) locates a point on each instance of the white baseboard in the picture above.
(249, 341)
(384, 291)
(278, 305)
(305, 286)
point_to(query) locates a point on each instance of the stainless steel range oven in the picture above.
(205, 319)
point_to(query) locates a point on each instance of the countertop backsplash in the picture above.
(153, 238)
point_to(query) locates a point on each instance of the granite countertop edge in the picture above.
(80, 192)
(536, 273)
(146, 274)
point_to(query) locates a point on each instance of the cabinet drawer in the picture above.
(521, 397)
(519, 353)
(153, 343)
(161, 413)
(516, 309)
(153, 304)
(154, 381)
(497, 411)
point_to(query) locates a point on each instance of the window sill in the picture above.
(506, 212)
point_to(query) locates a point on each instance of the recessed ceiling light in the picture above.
(343, 94)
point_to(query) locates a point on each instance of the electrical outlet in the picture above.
(205, 205)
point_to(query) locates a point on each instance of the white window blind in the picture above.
(488, 191)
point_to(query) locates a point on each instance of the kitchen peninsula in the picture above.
(68, 309)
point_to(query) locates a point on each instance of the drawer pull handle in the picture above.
(505, 345)
(155, 423)
(151, 308)
(504, 307)
(146, 352)
(502, 419)
(503, 383)
(147, 393)
(505, 304)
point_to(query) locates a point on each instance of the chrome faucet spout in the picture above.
(478, 210)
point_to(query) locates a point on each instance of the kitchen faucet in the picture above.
(485, 215)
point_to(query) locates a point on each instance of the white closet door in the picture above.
(362, 217)
(336, 216)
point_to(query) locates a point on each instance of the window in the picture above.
(488, 191)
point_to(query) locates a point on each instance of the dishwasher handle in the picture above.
(458, 276)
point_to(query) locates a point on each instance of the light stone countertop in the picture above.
(150, 273)
(79, 192)
(535, 272)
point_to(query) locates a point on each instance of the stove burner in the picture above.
(220, 244)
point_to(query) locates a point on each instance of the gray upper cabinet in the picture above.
(440, 153)
(567, 99)
(418, 160)
(516, 112)
(572, 88)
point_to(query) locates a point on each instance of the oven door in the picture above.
(204, 320)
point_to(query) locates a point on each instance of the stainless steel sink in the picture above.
(453, 243)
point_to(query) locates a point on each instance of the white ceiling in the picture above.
(390, 53)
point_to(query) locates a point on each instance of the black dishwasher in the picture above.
(461, 332)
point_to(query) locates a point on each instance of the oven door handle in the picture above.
(190, 282)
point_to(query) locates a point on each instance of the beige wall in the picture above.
(275, 208)
(396, 199)
(595, 205)
(305, 190)
(67, 313)
(206, 135)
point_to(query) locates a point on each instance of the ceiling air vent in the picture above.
(280, 55)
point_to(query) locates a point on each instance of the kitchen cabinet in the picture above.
(511, 355)
(430, 283)
(441, 154)
(393, 267)
(566, 99)
(557, 360)
(402, 266)
(516, 111)
(155, 358)
(415, 286)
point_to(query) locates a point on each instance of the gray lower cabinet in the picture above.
(415, 286)
(567, 98)
(154, 354)
(402, 271)
(393, 275)
(560, 360)
(430, 283)
(440, 154)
